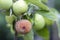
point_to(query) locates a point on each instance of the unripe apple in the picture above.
(39, 22)
(23, 26)
(10, 19)
(5, 4)
(20, 7)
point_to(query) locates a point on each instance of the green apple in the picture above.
(10, 19)
(20, 7)
(5, 4)
(39, 22)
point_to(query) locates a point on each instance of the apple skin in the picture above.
(6, 4)
(39, 22)
(20, 7)
(23, 26)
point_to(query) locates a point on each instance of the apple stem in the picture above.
(10, 11)
(19, 17)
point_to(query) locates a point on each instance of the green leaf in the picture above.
(29, 36)
(51, 15)
(39, 4)
(44, 33)
(54, 10)
(45, 1)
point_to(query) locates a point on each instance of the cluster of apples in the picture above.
(19, 8)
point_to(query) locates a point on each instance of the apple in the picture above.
(20, 7)
(23, 26)
(10, 19)
(6, 4)
(39, 22)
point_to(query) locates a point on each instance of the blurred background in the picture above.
(54, 4)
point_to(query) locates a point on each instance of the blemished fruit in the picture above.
(10, 19)
(23, 26)
(5, 4)
(20, 7)
(39, 22)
